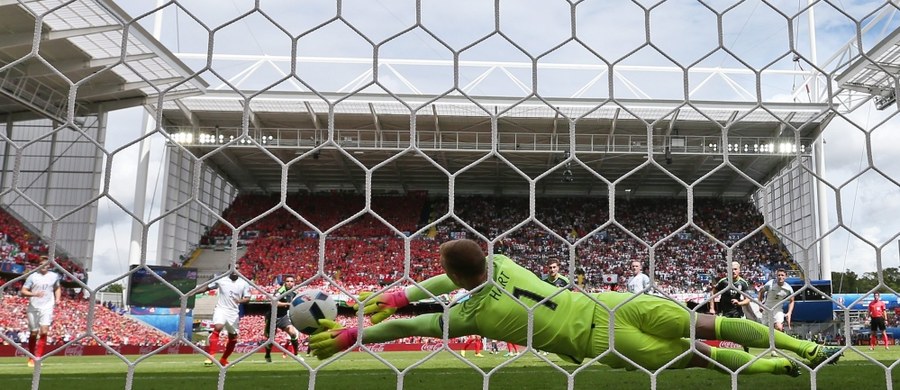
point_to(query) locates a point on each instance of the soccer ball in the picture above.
(309, 307)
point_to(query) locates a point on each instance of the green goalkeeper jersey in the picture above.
(562, 324)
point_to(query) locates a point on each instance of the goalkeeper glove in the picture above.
(382, 305)
(332, 339)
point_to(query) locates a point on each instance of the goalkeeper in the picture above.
(648, 330)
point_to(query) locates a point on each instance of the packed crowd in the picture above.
(323, 211)
(21, 247)
(70, 323)
(365, 253)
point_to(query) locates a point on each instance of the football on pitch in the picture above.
(309, 307)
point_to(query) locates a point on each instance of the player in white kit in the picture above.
(42, 290)
(772, 295)
(639, 281)
(232, 292)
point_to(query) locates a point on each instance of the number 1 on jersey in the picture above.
(519, 293)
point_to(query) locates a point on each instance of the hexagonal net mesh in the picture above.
(654, 162)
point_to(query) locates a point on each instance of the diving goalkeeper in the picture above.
(648, 330)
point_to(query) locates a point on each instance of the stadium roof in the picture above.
(83, 42)
(877, 72)
(533, 135)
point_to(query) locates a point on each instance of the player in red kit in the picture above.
(475, 342)
(876, 313)
(511, 349)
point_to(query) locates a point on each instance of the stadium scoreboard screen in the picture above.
(146, 290)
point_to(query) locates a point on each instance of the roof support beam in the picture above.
(880, 49)
(884, 66)
(868, 89)
(437, 122)
(342, 160)
(609, 141)
(728, 124)
(553, 129)
(438, 138)
(400, 177)
(642, 180)
(783, 125)
(702, 161)
(10, 41)
(731, 118)
(94, 91)
(310, 185)
(190, 115)
(672, 123)
(735, 176)
(315, 120)
(313, 116)
(377, 124)
(227, 154)
(612, 129)
(255, 122)
(39, 69)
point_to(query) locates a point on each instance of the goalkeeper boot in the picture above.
(31, 362)
(820, 354)
(792, 368)
(268, 359)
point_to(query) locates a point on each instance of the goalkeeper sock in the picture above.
(268, 350)
(753, 334)
(734, 359)
(295, 345)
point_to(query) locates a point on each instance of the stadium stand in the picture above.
(365, 254)
(18, 245)
(70, 322)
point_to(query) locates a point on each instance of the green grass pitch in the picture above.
(443, 371)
